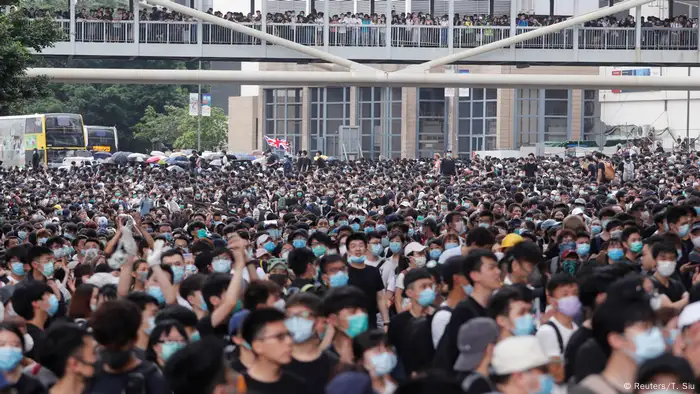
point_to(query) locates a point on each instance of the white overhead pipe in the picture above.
(324, 78)
(539, 32)
(354, 66)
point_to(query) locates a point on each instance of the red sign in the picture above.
(616, 73)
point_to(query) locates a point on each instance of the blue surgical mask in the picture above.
(169, 348)
(356, 259)
(47, 269)
(395, 247)
(157, 293)
(357, 324)
(435, 254)
(524, 325)
(300, 328)
(426, 297)
(355, 226)
(221, 265)
(615, 254)
(595, 230)
(10, 358)
(151, 324)
(299, 243)
(468, 289)
(342, 223)
(42, 241)
(411, 232)
(338, 279)
(583, 249)
(201, 233)
(319, 250)
(383, 363)
(385, 242)
(649, 344)
(178, 273)
(376, 249)
(637, 246)
(369, 229)
(451, 245)
(381, 227)
(683, 230)
(22, 235)
(269, 246)
(17, 268)
(53, 305)
(546, 384)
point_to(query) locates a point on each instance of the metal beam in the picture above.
(323, 78)
(354, 66)
(455, 57)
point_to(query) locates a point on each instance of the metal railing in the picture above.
(340, 35)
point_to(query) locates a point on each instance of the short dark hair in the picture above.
(61, 342)
(25, 294)
(626, 233)
(191, 284)
(499, 303)
(162, 327)
(480, 237)
(306, 299)
(559, 280)
(256, 321)
(179, 313)
(453, 266)
(659, 248)
(339, 298)
(474, 260)
(299, 259)
(329, 259)
(675, 213)
(115, 324)
(258, 291)
(214, 286)
(141, 299)
(197, 368)
(36, 252)
(355, 236)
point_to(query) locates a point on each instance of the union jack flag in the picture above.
(277, 143)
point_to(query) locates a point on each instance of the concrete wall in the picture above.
(244, 126)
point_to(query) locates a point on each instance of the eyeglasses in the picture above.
(279, 336)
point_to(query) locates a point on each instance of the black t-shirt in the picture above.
(369, 280)
(411, 337)
(39, 337)
(287, 383)
(674, 291)
(315, 373)
(28, 385)
(590, 360)
(576, 341)
(447, 352)
(530, 169)
(145, 377)
(204, 327)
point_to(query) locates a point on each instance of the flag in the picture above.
(277, 143)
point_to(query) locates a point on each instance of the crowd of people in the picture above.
(356, 29)
(519, 275)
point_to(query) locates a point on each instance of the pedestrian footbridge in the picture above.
(399, 44)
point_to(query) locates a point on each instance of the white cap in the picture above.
(690, 315)
(518, 354)
(413, 247)
(405, 204)
(262, 239)
(577, 211)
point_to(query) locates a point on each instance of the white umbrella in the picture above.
(157, 153)
(175, 169)
(135, 156)
(216, 163)
(212, 155)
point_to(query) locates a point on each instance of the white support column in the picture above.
(388, 26)
(513, 21)
(326, 23)
(599, 13)
(354, 6)
(451, 24)
(72, 21)
(576, 29)
(263, 18)
(200, 27)
(137, 23)
(638, 31)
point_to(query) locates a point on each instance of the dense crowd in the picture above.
(521, 275)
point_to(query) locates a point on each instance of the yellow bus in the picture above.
(55, 136)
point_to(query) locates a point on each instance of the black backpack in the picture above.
(420, 332)
(137, 380)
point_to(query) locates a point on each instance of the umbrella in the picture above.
(101, 155)
(211, 155)
(178, 154)
(137, 157)
(215, 163)
(175, 168)
(120, 157)
(153, 159)
(180, 158)
(157, 153)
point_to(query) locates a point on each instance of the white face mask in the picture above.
(665, 268)
(28, 343)
(696, 242)
(419, 261)
(279, 305)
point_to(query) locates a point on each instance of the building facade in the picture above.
(415, 122)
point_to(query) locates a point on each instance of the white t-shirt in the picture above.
(548, 338)
(449, 253)
(440, 320)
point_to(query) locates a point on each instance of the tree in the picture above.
(177, 128)
(17, 39)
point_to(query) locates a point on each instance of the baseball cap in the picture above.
(577, 211)
(260, 252)
(277, 264)
(569, 253)
(262, 239)
(413, 247)
(689, 315)
(696, 226)
(511, 240)
(473, 339)
(579, 201)
(518, 354)
(414, 275)
(236, 321)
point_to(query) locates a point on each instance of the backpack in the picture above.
(420, 332)
(609, 171)
(281, 203)
(560, 339)
(137, 380)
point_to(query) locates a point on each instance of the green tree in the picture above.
(177, 127)
(17, 41)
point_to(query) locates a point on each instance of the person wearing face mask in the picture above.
(12, 345)
(458, 288)
(309, 359)
(36, 303)
(366, 278)
(70, 356)
(344, 310)
(15, 265)
(679, 219)
(376, 360)
(409, 330)
(115, 327)
(415, 258)
(477, 339)
(607, 224)
(632, 242)
(627, 324)
(666, 256)
(519, 366)
(562, 295)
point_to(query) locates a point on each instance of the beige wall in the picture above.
(244, 110)
(242, 115)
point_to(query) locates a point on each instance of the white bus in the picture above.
(101, 139)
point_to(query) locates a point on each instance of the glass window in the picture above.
(591, 130)
(283, 115)
(476, 118)
(330, 109)
(380, 121)
(431, 121)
